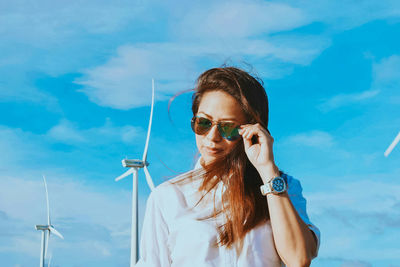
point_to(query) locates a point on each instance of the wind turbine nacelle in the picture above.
(42, 227)
(134, 163)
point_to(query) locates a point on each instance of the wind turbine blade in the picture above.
(54, 231)
(148, 178)
(150, 122)
(128, 172)
(47, 201)
(392, 145)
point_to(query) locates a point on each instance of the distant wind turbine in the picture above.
(135, 165)
(392, 145)
(46, 230)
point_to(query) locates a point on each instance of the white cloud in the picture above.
(357, 195)
(355, 263)
(386, 77)
(318, 139)
(210, 32)
(248, 18)
(353, 213)
(68, 149)
(18, 146)
(299, 49)
(344, 15)
(213, 32)
(93, 214)
(125, 80)
(26, 93)
(113, 83)
(65, 131)
(69, 133)
(91, 219)
(387, 71)
(48, 22)
(338, 261)
(347, 99)
(239, 19)
(16, 86)
(54, 38)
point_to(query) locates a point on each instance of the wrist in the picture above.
(267, 172)
(277, 185)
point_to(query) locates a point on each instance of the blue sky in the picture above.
(75, 85)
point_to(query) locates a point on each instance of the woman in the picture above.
(235, 208)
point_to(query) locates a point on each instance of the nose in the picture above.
(213, 134)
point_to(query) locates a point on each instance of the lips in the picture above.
(212, 150)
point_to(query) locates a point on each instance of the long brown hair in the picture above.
(243, 204)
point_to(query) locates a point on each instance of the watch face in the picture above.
(279, 185)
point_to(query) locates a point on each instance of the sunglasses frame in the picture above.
(219, 127)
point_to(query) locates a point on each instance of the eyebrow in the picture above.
(224, 119)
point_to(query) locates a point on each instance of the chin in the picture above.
(209, 158)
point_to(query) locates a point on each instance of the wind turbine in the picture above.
(46, 229)
(135, 165)
(392, 145)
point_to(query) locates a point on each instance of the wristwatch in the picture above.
(275, 186)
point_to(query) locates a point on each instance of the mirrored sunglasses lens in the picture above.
(201, 125)
(229, 131)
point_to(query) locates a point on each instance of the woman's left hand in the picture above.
(260, 154)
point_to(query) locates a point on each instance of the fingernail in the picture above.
(240, 131)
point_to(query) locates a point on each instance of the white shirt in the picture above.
(172, 235)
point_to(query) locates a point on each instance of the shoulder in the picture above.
(177, 193)
(294, 185)
(182, 183)
(295, 193)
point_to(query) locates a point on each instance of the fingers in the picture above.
(250, 130)
(247, 142)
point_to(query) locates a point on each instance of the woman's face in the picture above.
(217, 106)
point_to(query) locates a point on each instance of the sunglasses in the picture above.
(228, 130)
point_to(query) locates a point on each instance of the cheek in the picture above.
(199, 141)
(229, 146)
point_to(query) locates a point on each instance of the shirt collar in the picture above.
(198, 165)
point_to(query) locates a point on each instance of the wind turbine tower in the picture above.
(46, 230)
(135, 165)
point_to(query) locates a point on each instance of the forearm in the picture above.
(294, 241)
